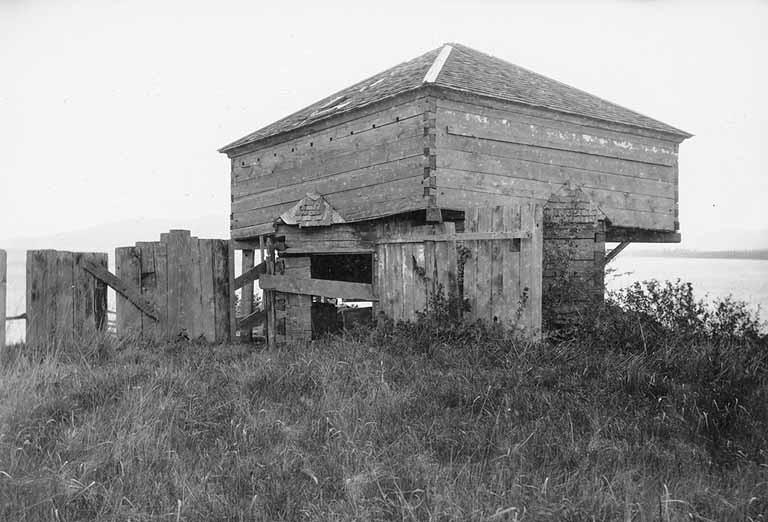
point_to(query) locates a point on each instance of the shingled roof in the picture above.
(457, 67)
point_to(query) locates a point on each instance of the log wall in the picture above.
(491, 155)
(366, 167)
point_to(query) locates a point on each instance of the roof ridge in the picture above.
(437, 65)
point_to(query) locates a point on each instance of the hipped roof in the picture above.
(457, 67)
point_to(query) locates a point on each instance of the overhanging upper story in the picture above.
(451, 129)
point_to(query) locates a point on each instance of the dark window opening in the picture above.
(353, 268)
(329, 314)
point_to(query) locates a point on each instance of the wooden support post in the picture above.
(264, 300)
(246, 296)
(231, 290)
(269, 296)
(615, 252)
(3, 279)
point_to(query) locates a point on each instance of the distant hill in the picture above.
(106, 237)
(703, 254)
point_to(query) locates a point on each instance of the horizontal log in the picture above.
(110, 279)
(319, 287)
(17, 317)
(328, 248)
(245, 245)
(634, 235)
(465, 236)
(252, 320)
(250, 275)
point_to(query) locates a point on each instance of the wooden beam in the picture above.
(245, 244)
(108, 278)
(250, 275)
(615, 252)
(246, 297)
(320, 250)
(252, 320)
(320, 287)
(466, 236)
(636, 235)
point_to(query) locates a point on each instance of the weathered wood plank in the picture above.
(207, 295)
(366, 178)
(463, 236)
(124, 287)
(232, 317)
(250, 275)
(251, 321)
(319, 287)
(221, 292)
(246, 296)
(3, 283)
(372, 150)
(342, 132)
(537, 244)
(557, 136)
(498, 304)
(404, 196)
(83, 321)
(619, 235)
(34, 289)
(481, 181)
(179, 300)
(128, 278)
(194, 291)
(505, 109)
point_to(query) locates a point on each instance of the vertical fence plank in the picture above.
(537, 259)
(160, 292)
(230, 290)
(526, 265)
(3, 282)
(246, 294)
(180, 301)
(194, 291)
(499, 308)
(511, 265)
(220, 253)
(128, 268)
(33, 297)
(207, 299)
(148, 278)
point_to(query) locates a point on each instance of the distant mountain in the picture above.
(702, 254)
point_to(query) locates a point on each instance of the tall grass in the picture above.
(435, 420)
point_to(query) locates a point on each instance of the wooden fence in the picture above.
(3, 279)
(494, 264)
(184, 287)
(64, 301)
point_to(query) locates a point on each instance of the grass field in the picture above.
(428, 421)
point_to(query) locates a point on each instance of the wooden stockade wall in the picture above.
(185, 280)
(65, 303)
(496, 259)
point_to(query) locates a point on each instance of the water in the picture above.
(745, 279)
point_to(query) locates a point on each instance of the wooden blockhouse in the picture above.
(455, 171)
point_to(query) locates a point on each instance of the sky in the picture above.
(112, 112)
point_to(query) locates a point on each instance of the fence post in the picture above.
(3, 279)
